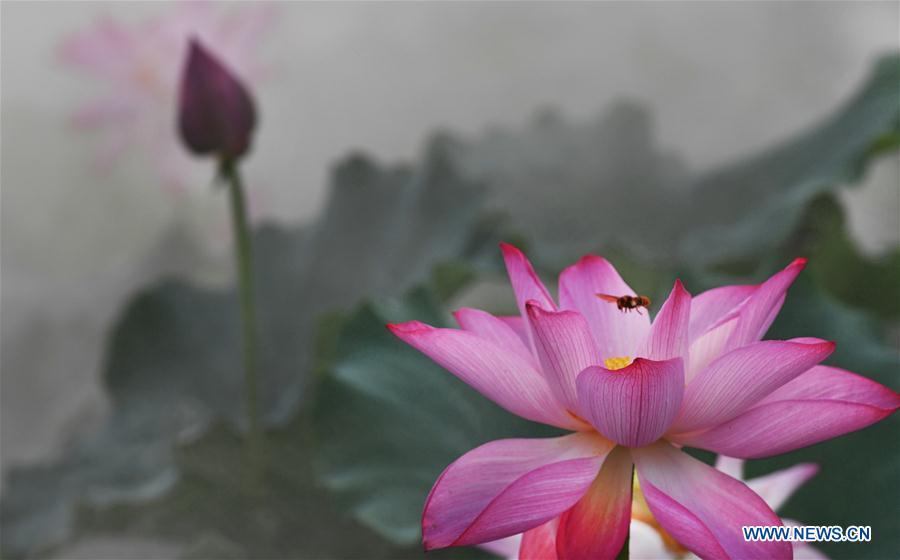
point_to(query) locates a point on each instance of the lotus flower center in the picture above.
(619, 362)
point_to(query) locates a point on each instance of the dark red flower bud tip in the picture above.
(216, 113)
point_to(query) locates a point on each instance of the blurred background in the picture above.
(548, 111)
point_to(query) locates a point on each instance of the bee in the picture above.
(627, 303)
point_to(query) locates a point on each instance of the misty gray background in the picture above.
(721, 79)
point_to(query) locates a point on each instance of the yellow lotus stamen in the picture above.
(617, 363)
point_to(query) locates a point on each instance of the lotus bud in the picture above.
(216, 113)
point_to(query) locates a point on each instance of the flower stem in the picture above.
(624, 552)
(244, 266)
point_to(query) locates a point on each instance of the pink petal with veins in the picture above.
(741, 378)
(775, 488)
(506, 487)
(597, 526)
(617, 333)
(760, 309)
(822, 403)
(669, 335)
(500, 374)
(746, 323)
(519, 326)
(711, 306)
(494, 329)
(525, 282)
(540, 543)
(565, 347)
(632, 406)
(701, 507)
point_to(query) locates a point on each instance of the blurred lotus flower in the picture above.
(140, 67)
(633, 392)
(216, 114)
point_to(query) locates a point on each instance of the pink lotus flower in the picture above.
(649, 542)
(140, 67)
(633, 393)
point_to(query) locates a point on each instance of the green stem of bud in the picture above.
(249, 340)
